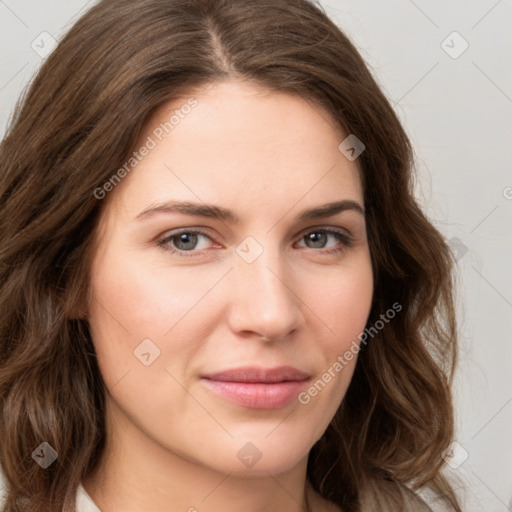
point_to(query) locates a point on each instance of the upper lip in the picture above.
(254, 374)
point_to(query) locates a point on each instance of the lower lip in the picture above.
(257, 395)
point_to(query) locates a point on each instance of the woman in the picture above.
(218, 291)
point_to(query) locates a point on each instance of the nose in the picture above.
(263, 297)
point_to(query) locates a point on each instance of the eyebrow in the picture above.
(217, 212)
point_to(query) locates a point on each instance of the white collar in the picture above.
(84, 503)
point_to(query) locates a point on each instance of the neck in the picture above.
(137, 473)
(195, 491)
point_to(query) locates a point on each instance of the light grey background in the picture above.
(457, 108)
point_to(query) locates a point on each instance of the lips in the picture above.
(252, 374)
(256, 387)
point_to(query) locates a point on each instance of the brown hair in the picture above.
(78, 122)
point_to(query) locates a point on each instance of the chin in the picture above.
(258, 455)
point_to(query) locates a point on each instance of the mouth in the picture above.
(258, 388)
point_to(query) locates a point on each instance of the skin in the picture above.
(172, 443)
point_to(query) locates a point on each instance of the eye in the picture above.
(318, 238)
(184, 241)
(189, 241)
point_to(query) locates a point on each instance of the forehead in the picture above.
(234, 142)
(228, 111)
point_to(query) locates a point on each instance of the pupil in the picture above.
(187, 238)
(316, 238)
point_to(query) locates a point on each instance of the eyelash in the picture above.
(346, 241)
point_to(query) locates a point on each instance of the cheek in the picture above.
(344, 306)
(126, 297)
(133, 301)
(143, 298)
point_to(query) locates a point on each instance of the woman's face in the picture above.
(218, 252)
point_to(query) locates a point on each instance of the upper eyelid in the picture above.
(326, 228)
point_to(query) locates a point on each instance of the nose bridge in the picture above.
(263, 295)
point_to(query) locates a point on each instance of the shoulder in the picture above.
(390, 496)
(415, 501)
(433, 501)
(84, 502)
(3, 488)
